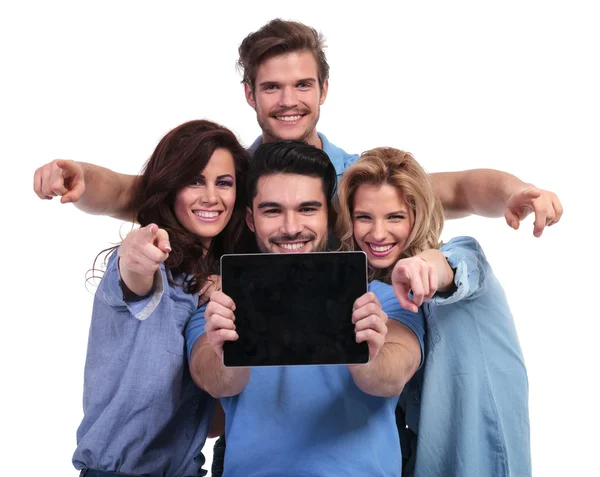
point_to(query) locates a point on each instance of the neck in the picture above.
(313, 139)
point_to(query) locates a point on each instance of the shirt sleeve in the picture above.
(110, 291)
(466, 257)
(391, 305)
(195, 329)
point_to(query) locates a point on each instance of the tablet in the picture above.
(294, 308)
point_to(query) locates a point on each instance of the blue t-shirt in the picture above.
(312, 420)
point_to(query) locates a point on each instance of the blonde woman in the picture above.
(465, 412)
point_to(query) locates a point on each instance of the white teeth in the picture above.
(383, 248)
(292, 246)
(288, 118)
(208, 215)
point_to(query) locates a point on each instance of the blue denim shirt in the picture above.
(143, 414)
(468, 405)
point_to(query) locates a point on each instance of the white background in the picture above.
(507, 85)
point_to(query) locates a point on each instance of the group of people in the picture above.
(445, 391)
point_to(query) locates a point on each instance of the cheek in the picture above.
(180, 207)
(229, 198)
(359, 231)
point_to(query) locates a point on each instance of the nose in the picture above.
(379, 232)
(291, 225)
(209, 195)
(288, 97)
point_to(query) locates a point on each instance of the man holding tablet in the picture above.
(306, 420)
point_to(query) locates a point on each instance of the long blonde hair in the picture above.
(386, 165)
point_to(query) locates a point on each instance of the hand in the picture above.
(144, 249)
(60, 177)
(212, 284)
(369, 323)
(220, 326)
(544, 204)
(414, 275)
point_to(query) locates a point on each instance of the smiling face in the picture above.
(382, 222)
(287, 97)
(205, 206)
(289, 214)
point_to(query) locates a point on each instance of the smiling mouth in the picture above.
(207, 215)
(291, 246)
(381, 250)
(290, 119)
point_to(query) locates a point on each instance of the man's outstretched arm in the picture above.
(93, 189)
(492, 193)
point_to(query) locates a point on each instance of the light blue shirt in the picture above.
(312, 420)
(468, 405)
(143, 414)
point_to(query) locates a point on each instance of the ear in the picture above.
(249, 96)
(250, 219)
(324, 92)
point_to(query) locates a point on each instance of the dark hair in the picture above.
(176, 162)
(293, 157)
(276, 38)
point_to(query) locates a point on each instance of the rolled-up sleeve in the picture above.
(466, 257)
(110, 291)
(391, 306)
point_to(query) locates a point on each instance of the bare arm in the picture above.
(394, 365)
(477, 191)
(206, 362)
(492, 193)
(208, 372)
(93, 189)
(107, 193)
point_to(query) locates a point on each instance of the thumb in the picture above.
(512, 219)
(149, 232)
(402, 296)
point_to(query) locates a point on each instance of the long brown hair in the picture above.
(386, 165)
(177, 160)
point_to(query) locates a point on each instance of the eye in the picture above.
(397, 217)
(308, 210)
(362, 217)
(304, 85)
(197, 182)
(271, 211)
(225, 183)
(270, 87)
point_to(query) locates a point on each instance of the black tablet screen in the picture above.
(294, 309)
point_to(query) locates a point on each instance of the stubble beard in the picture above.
(269, 134)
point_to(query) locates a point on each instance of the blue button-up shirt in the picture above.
(468, 405)
(143, 414)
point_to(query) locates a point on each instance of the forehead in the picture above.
(289, 190)
(384, 196)
(221, 162)
(287, 67)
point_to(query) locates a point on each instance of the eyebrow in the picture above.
(264, 205)
(308, 203)
(222, 176)
(401, 211)
(303, 80)
(311, 203)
